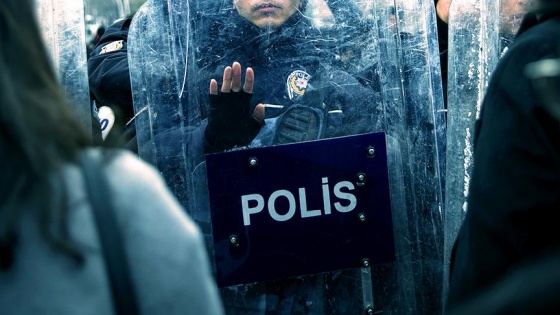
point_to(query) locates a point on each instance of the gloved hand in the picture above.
(231, 122)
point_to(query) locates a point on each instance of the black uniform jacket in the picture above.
(109, 78)
(514, 194)
(109, 82)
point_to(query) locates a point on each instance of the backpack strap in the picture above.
(116, 263)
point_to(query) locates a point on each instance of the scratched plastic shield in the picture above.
(386, 50)
(63, 26)
(479, 34)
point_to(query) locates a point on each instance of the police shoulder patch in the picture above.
(106, 119)
(297, 83)
(112, 46)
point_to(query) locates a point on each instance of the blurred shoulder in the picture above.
(160, 237)
(124, 162)
(142, 196)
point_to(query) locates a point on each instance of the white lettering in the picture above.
(303, 206)
(272, 207)
(342, 195)
(255, 203)
(247, 210)
(326, 195)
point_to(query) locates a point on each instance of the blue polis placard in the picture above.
(298, 209)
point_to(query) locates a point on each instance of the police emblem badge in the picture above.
(113, 46)
(297, 83)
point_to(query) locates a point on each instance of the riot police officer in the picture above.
(109, 82)
(284, 52)
(290, 79)
(273, 80)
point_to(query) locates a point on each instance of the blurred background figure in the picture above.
(106, 12)
(92, 26)
(95, 39)
(50, 255)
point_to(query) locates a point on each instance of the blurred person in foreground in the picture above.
(505, 259)
(50, 256)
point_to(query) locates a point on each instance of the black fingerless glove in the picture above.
(230, 122)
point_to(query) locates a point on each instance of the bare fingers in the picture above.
(236, 77)
(249, 80)
(226, 80)
(213, 87)
(232, 80)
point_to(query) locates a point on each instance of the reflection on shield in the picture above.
(478, 37)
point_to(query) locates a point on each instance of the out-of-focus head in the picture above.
(25, 67)
(22, 53)
(267, 13)
(38, 132)
(511, 14)
(35, 119)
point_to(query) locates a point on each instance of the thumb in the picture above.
(258, 113)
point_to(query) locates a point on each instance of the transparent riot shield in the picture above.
(421, 130)
(480, 32)
(347, 221)
(62, 22)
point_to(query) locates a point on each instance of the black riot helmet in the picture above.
(545, 6)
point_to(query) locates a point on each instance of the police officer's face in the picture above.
(267, 13)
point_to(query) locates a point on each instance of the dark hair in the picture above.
(39, 133)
